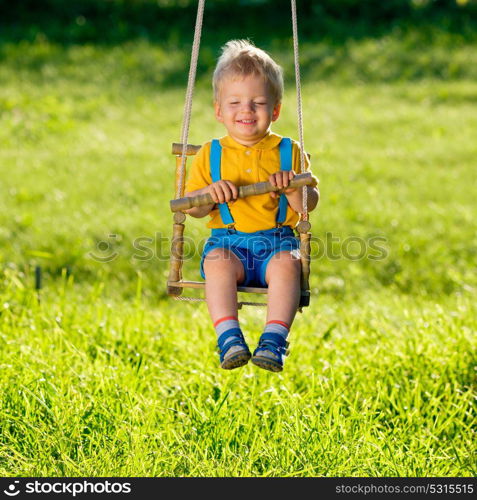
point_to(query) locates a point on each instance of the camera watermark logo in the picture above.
(12, 490)
(104, 250)
(327, 246)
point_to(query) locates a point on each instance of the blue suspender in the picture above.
(285, 164)
(215, 156)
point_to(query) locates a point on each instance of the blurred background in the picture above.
(91, 98)
(113, 21)
(334, 25)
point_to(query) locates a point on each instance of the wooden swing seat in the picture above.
(175, 283)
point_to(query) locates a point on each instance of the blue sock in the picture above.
(279, 327)
(230, 325)
(226, 324)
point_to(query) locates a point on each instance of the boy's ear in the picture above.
(218, 113)
(276, 111)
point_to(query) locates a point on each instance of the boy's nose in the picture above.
(247, 106)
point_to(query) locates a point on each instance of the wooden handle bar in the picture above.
(299, 180)
(190, 149)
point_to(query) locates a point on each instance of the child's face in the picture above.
(246, 108)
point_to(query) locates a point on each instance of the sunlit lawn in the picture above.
(102, 374)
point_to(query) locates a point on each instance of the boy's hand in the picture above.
(281, 179)
(223, 191)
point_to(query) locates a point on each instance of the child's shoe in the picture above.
(233, 350)
(270, 352)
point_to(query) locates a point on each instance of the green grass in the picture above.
(376, 387)
(106, 376)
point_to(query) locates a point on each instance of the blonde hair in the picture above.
(242, 58)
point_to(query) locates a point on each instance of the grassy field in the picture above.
(102, 375)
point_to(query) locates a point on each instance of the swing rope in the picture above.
(189, 94)
(299, 105)
(239, 304)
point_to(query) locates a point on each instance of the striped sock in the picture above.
(275, 326)
(226, 324)
(230, 325)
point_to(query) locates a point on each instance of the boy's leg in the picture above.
(283, 279)
(223, 270)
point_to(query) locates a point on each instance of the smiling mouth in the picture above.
(247, 122)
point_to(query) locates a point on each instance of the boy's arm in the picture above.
(294, 196)
(295, 199)
(199, 181)
(220, 191)
(202, 211)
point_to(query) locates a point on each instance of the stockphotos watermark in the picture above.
(158, 247)
(66, 487)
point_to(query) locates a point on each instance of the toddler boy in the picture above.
(252, 241)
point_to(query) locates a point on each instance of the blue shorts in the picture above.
(253, 249)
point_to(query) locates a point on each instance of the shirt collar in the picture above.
(270, 141)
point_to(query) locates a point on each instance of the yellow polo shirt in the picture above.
(244, 165)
